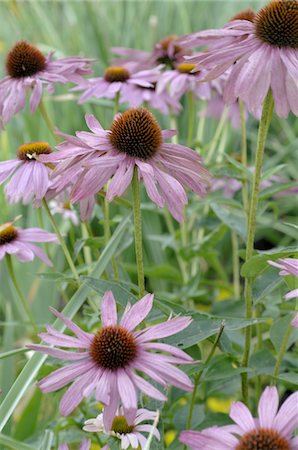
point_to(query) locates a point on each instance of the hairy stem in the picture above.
(61, 240)
(262, 135)
(138, 232)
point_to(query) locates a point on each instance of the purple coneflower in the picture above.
(111, 357)
(84, 445)
(167, 51)
(262, 54)
(31, 176)
(117, 81)
(273, 429)
(60, 205)
(181, 80)
(17, 241)
(29, 70)
(135, 140)
(288, 266)
(129, 434)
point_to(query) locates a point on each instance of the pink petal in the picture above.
(108, 309)
(268, 405)
(137, 313)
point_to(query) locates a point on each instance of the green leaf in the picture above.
(28, 421)
(265, 283)
(204, 326)
(287, 377)
(222, 367)
(29, 372)
(278, 331)
(122, 295)
(234, 218)
(47, 441)
(257, 263)
(13, 444)
(263, 362)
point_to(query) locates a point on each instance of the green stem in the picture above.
(282, 350)
(262, 135)
(61, 240)
(201, 125)
(86, 249)
(138, 232)
(243, 154)
(198, 376)
(107, 233)
(191, 117)
(19, 292)
(184, 241)
(217, 135)
(236, 265)
(116, 103)
(48, 120)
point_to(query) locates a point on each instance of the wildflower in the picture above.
(167, 52)
(117, 80)
(273, 429)
(17, 241)
(136, 140)
(181, 80)
(84, 445)
(29, 70)
(61, 205)
(129, 434)
(111, 357)
(30, 178)
(245, 46)
(288, 266)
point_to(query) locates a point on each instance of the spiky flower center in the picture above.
(121, 426)
(8, 233)
(263, 439)
(185, 67)
(164, 47)
(116, 74)
(28, 152)
(245, 14)
(113, 347)
(277, 23)
(137, 133)
(24, 60)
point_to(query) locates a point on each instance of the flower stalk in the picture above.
(61, 240)
(138, 232)
(19, 292)
(262, 135)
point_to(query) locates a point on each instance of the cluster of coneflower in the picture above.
(253, 59)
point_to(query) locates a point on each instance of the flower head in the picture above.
(30, 180)
(245, 46)
(118, 81)
(29, 70)
(111, 357)
(129, 434)
(134, 140)
(288, 266)
(273, 429)
(181, 80)
(17, 241)
(167, 52)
